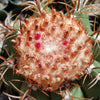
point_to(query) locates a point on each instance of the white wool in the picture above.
(90, 68)
(1, 37)
(50, 47)
(98, 76)
(10, 63)
(18, 32)
(66, 95)
(98, 38)
(34, 87)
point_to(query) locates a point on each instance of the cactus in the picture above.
(53, 54)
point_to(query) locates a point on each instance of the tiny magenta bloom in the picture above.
(38, 45)
(40, 65)
(64, 42)
(37, 36)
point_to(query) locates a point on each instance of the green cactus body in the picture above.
(52, 50)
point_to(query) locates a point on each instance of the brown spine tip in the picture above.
(45, 23)
(54, 67)
(36, 27)
(61, 25)
(53, 28)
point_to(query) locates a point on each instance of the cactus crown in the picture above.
(52, 49)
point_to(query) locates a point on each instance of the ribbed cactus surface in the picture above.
(54, 51)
